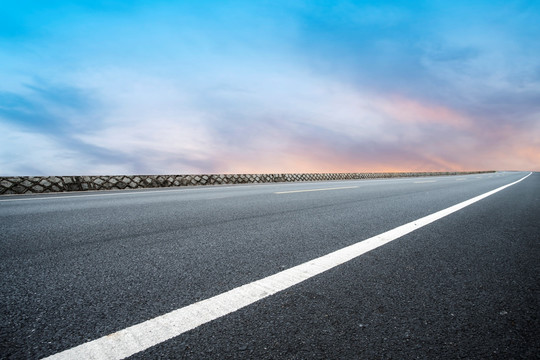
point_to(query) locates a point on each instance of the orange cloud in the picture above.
(400, 139)
(410, 111)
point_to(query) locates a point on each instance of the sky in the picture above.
(95, 87)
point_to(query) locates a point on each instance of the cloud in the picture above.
(31, 153)
(40, 129)
(264, 87)
(49, 108)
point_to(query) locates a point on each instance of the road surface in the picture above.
(82, 267)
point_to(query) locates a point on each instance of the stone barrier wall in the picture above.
(45, 184)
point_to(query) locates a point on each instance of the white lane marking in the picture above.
(461, 179)
(139, 337)
(49, 196)
(308, 190)
(68, 195)
(424, 182)
(134, 192)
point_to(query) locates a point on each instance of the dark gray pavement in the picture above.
(75, 267)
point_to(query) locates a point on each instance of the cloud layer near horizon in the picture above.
(259, 87)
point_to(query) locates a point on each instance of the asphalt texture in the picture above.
(75, 267)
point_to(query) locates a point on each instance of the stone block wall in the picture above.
(46, 184)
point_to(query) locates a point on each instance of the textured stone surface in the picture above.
(44, 184)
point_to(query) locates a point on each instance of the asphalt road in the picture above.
(79, 266)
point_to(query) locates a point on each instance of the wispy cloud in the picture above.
(253, 87)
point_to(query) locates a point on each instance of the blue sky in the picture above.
(173, 87)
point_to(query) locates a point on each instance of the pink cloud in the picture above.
(410, 111)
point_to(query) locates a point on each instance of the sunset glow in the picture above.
(168, 87)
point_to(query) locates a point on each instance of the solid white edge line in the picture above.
(49, 196)
(94, 193)
(99, 193)
(309, 190)
(139, 337)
